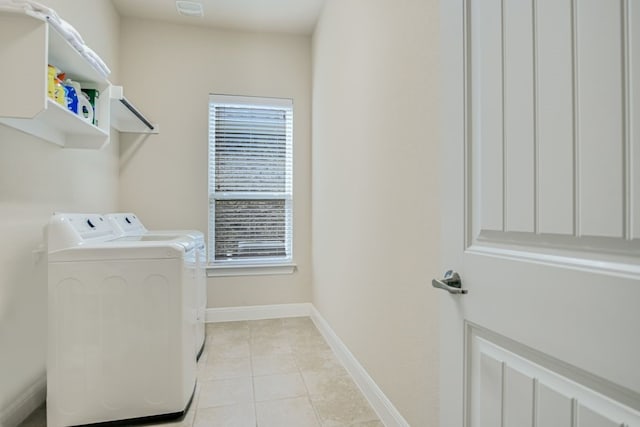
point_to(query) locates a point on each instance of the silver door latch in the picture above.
(450, 282)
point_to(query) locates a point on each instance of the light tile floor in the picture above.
(268, 373)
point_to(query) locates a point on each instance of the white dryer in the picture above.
(128, 224)
(121, 320)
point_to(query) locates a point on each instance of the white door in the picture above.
(541, 213)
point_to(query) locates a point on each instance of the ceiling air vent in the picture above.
(189, 8)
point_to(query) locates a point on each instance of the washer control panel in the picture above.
(68, 230)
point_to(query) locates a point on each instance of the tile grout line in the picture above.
(304, 382)
(224, 359)
(315, 410)
(253, 383)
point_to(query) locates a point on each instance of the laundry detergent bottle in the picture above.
(73, 89)
(59, 91)
(51, 81)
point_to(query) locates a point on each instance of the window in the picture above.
(250, 180)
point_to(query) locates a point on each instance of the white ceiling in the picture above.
(281, 16)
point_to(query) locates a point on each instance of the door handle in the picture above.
(450, 282)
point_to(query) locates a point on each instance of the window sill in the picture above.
(250, 270)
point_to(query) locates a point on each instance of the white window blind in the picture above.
(250, 180)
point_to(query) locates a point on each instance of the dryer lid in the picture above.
(128, 224)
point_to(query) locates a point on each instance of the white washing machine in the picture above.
(128, 224)
(121, 321)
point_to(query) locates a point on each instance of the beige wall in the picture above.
(374, 170)
(375, 214)
(37, 178)
(169, 71)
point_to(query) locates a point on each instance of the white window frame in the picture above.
(258, 265)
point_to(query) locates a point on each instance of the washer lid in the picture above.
(128, 224)
(196, 235)
(124, 250)
(186, 242)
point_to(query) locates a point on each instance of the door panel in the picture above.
(632, 30)
(554, 113)
(491, 385)
(518, 121)
(599, 74)
(488, 121)
(540, 120)
(549, 120)
(553, 409)
(589, 418)
(520, 387)
(518, 398)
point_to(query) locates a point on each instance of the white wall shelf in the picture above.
(27, 46)
(58, 125)
(125, 117)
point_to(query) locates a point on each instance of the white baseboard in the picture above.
(387, 413)
(257, 312)
(380, 403)
(18, 410)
